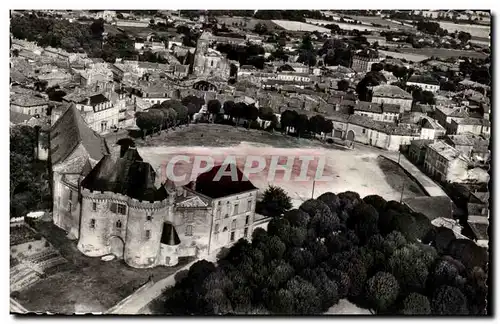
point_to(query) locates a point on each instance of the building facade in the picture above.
(391, 94)
(445, 163)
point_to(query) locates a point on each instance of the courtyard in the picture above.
(361, 169)
(84, 284)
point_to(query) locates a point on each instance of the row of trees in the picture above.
(302, 124)
(378, 254)
(168, 114)
(29, 178)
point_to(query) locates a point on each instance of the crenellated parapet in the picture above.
(100, 196)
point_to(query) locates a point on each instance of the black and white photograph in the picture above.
(250, 162)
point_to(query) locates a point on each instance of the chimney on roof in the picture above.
(88, 101)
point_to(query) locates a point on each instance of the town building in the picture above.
(418, 149)
(380, 112)
(363, 61)
(431, 129)
(471, 145)
(391, 94)
(29, 105)
(424, 82)
(445, 163)
(475, 126)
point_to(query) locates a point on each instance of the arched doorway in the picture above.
(350, 135)
(116, 246)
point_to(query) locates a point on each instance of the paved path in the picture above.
(430, 187)
(142, 299)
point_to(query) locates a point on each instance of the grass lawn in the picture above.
(87, 284)
(223, 135)
(398, 180)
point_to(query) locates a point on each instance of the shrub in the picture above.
(416, 304)
(382, 290)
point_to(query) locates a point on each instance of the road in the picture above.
(139, 301)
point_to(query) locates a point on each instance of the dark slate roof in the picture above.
(206, 185)
(128, 176)
(94, 100)
(69, 131)
(169, 235)
(425, 79)
(432, 207)
(420, 143)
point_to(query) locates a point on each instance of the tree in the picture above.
(331, 200)
(288, 119)
(97, 28)
(464, 37)
(416, 304)
(410, 270)
(343, 85)
(315, 124)
(229, 108)
(301, 124)
(276, 201)
(448, 300)
(214, 107)
(364, 221)
(327, 127)
(260, 28)
(251, 113)
(298, 218)
(382, 291)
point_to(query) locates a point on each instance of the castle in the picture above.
(110, 202)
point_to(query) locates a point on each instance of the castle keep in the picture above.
(110, 203)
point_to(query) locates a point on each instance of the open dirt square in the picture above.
(360, 170)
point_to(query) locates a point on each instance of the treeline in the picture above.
(378, 254)
(29, 178)
(72, 37)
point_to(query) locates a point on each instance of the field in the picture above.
(299, 26)
(87, 284)
(474, 30)
(421, 54)
(248, 22)
(380, 21)
(443, 52)
(360, 170)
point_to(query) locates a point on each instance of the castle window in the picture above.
(148, 234)
(219, 211)
(190, 217)
(94, 206)
(92, 223)
(232, 236)
(69, 206)
(216, 230)
(233, 225)
(245, 232)
(225, 229)
(119, 224)
(149, 218)
(249, 205)
(189, 230)
(70, 195)
(247, 219)
(211, 63)
(235, 211)
(118, 208)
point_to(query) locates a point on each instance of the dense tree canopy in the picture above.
(310, 258)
